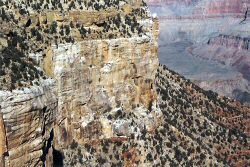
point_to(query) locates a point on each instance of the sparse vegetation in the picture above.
(191, 133)
(30, 35)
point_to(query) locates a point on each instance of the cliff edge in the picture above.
(81, 86)
(70, 71)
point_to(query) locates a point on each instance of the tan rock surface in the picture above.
(95, 77)
(3, 147)
(28, 118)
(101, 73)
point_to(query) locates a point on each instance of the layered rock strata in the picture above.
(101, 58)
(83, 92)
(231, 51)
(228, 50)
(208, 37)
(27, 121)
(200, 8)
(96, 77)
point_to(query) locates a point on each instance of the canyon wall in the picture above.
(231, 51)
(214, 35)
(99, 62)
(228, 50)
(202, 7)
(27, 121)
(81, 86)
(99, 77)
(202, 18)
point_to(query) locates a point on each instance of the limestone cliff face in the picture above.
(96, 77)
(101, 63)
(27, 118)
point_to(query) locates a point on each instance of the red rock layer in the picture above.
(225, 7)
(207, 7)
(155, 2)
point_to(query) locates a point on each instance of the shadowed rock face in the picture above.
(211, 34)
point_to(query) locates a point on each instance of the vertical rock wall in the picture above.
(107, 68)
(96, 78)
(26, 123)
(3, 147)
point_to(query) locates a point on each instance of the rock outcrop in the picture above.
(101, 58)
(99, 76)
(27, 121)
(80, 86)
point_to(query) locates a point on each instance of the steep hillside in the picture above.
(195, 128)
(219, 125)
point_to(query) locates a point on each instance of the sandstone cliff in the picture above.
(80, 86)
(27, 118)
(101, 58)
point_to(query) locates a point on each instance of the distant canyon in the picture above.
(207, 41)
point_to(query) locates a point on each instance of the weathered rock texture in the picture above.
(102, 105)
(27, 120)
(101, 75)
(102, 58)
